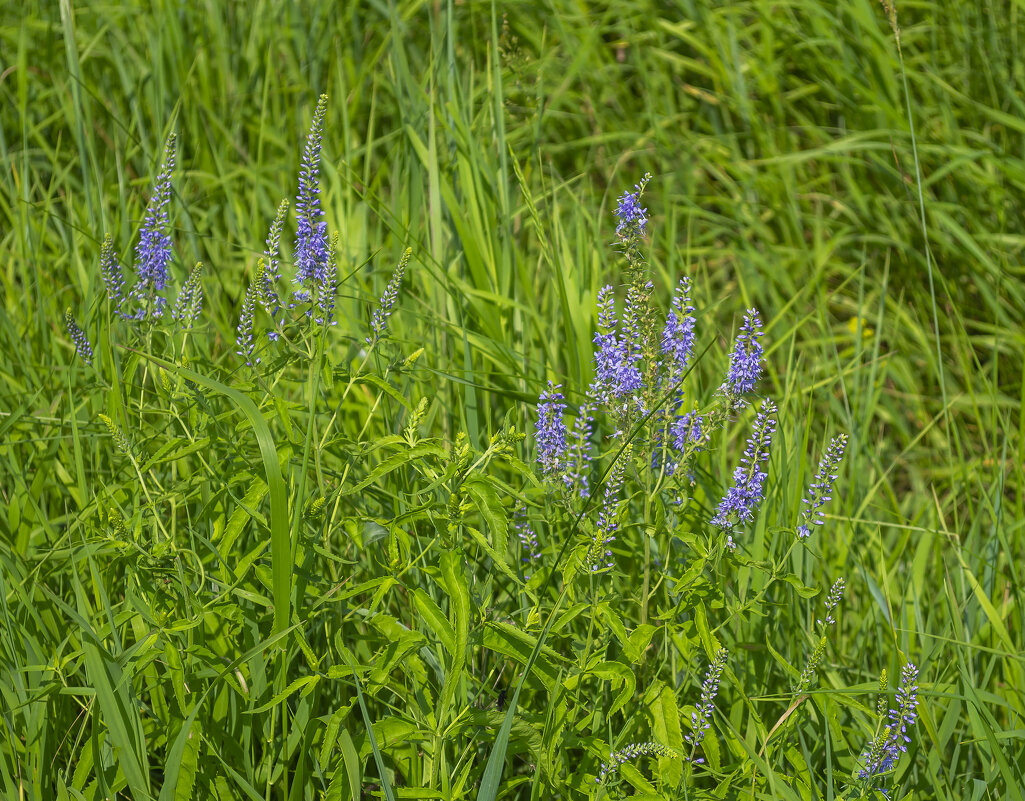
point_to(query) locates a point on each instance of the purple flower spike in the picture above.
(631, 752)
(578, 459)
(821, 487)
(311, 235)
(701, 718)
(742, 499)
(246, 337)
(631, 216)
(678, 334)
(746, 358)
(616, 363)
(527, 536)
(153, 251)
(599, 555)
(113, 279)
(551, 431)
(379, 320)
(272, 271)
(82, 346)
(883, 753)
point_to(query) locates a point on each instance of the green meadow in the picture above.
(312, 576)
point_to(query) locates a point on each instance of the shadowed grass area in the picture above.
(494, 142)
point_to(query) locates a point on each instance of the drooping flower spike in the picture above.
(82, 346)
(629, 753)
(832, 601)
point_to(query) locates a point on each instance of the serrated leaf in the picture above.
(491, 511)
(496, 558)
(666, 714)
(397, 460)
(453, 572)
(434, 618)
(298, 684)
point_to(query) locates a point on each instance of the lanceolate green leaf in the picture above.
(453, 573)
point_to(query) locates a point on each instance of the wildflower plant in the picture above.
(618, 466)
(438, 585)
(880, 756)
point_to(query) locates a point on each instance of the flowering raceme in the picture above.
(379, 320)
(631, 752)
(746, 358)
(742, 499)
(617, 373)
(821, 486)
(883, 752)
(631, 215)
(311, 253)
(700, 718)
(82, 346)
(153, 250)
(551, 431)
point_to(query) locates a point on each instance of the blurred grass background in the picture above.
(785, 177)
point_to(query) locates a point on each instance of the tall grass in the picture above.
(493, 140)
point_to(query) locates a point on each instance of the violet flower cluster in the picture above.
(631, 216)
(82, 346)
(550, 431)
(153, 254)
(739, 503)
(677, 341)
(316, 268)
(701, 717)
(885, 750)
(746, 358)
(311, 233)
(821, 487)
(631, 752)
(153, 251)
(617, 361)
